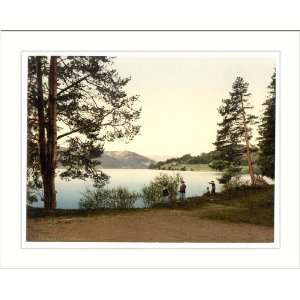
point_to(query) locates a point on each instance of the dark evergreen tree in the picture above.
(233, 131)
(266, 158)
(75, 105)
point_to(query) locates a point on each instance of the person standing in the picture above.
(213, 188)
(182, 189)
(207, 191)
(165, 194)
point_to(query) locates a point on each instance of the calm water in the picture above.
(69, 192)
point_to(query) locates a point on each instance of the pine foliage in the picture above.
(266, 160)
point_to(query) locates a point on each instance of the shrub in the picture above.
(116, 198)
(152, 193)
(229, 173)
(234, 183)
(259, 180)
(218, 165)
(32, 196)
(34, 190)
(237, 183)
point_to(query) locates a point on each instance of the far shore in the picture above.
(199, 169)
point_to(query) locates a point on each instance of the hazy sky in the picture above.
(180, 96)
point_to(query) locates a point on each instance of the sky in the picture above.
(180, 95)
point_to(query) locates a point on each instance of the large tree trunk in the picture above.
(250, 166)
(42, 127)
(52, 133)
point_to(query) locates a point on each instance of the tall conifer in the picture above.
(234, 133)
(266, 158)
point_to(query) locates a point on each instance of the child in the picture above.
(213, 188)
(207, 191)
(165, 194)
(182, 190)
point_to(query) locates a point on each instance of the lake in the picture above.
(70, 192)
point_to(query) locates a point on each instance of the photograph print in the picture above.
(164, 148)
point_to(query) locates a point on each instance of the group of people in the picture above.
(182, 190)
(166, 194)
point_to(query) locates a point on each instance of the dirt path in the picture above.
(160, 225)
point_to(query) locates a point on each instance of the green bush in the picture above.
(32, 196)
(34, 191)
(218, 165)
(234, 183)
(152, 193)
(116, 198)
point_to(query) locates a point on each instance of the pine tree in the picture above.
(75, 105)
(233, 131)
(266, 158)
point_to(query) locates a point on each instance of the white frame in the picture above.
(267, 42)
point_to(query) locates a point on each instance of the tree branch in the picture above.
(78, 129)
(72, 85)
(68, 133)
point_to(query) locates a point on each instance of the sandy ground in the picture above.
(160, 225)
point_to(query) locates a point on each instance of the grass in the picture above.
(241, 215)
(254, 205)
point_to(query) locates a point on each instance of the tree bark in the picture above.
(52, 133)
(250, 166)
(42, 127)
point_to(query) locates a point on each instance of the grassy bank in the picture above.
(253, 205)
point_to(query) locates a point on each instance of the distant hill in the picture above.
(180, 163)
(124, 160)
(198, 162)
